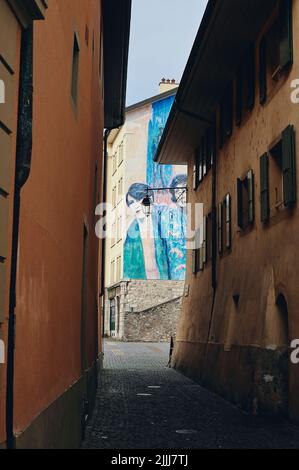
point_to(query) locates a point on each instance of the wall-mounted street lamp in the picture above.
(148, 200)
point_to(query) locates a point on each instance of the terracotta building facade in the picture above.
(235, 122)
(56, 73)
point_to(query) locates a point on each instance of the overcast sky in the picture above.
(162, 35)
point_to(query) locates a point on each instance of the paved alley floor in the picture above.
(142, 404)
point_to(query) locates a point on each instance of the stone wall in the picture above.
(156, 324)
(144, 306)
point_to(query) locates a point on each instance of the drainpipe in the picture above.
(214, 228)
(23, 163)
(105, 176)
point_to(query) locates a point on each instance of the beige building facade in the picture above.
(238, 132)
(137, 279)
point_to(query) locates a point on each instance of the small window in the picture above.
(245, 85)
(246, 200)
(226, 115)
(276, 48)
(283, 170)
(278, 175)
(121, 154)
(75, 70)
(225, 225)
(203, 157)
(112, 272)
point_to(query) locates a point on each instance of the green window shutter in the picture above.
(220, 228)
(286, 32)
(239, 96)
(289, 166)
(251, 207)
(228, 222)
(251, 77)
(264, 173)
(240, 203)
(263, 70)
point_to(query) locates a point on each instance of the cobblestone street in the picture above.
(142, 404)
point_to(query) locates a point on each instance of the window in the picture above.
(75, 70)
(245, 85)
(114, 196)
(119, 229)
(226, 115)
(118, 269)
(120, 188)
(112, 272)
(203, 157)
(114, 163)
(113, 234)
(224, 225)
(278, 175)
(276, 48)
(245, 190)
(121, 154)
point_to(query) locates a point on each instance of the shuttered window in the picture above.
(226, 115)
(228, 222)
(240, 203)
(245, 192)
(286, 33)
(250, 66)
(251, 205)
(263, 70)
(264, 174)
(220, 228)
(289, 166)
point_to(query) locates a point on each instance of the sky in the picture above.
(162, 35)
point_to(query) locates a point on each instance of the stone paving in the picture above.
(142, 404)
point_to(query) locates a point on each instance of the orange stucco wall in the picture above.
(55, 202)
(263, 263)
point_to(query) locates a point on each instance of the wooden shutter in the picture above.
(263, 70)
(286, 32)
(289, 166)
(239, 96)
(251, 207)
(251, 72)
(264, 172)
(228, 222)
(220, 228)
(240, 203)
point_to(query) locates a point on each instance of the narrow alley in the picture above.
(143, 404)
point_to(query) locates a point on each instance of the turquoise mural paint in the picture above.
(155, 247)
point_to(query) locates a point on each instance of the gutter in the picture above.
(23, 164)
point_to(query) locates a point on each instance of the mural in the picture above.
(155, 245)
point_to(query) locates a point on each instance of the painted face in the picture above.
(136, 207)
(181, 197)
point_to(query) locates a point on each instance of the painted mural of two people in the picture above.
(155, 246)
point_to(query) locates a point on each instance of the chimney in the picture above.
(167, 85)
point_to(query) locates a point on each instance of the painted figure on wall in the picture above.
(155, 247)
(145, 251)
